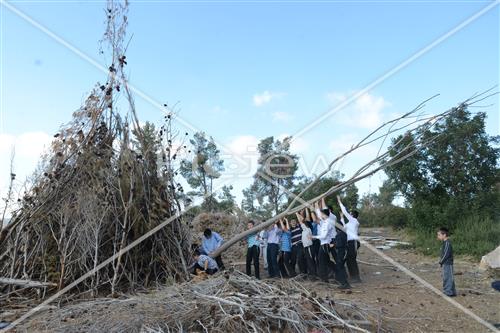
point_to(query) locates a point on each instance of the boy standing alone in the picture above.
(446, 262)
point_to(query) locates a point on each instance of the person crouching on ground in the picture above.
(205, 263)
(252, 251)
(446, 262)
(210, 242)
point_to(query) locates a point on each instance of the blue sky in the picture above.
(242, 71)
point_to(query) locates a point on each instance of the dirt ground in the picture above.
(407, 306)
(403, 303)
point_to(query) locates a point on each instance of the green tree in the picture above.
(454, 177)
(276, 172)
(349, 194)
(377, 209)
(203, 169)
(226, 201)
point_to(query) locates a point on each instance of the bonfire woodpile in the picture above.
(104, 182)
(229, 302)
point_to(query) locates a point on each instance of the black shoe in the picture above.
(357, 280)
(344, 286)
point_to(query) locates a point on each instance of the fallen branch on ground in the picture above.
(26, 283)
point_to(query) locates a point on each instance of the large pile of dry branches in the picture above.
(230, 302)
(104, 182)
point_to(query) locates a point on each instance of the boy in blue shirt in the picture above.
(210, 242)
(253, 251)
(286, 250)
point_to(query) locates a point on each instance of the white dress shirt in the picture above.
(351, 228)
(326, 229)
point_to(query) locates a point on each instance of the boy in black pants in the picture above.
(253, 252)
(297, 247)
(446, 262)
(341, 250)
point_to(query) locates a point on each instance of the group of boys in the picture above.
(314, 241)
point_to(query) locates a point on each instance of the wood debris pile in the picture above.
(228, 302)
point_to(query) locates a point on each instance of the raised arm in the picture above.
(287, 225)
(300, 218)
(344, 211)
(342, 219)
(308, 214)
(314, 217)
(319, 213)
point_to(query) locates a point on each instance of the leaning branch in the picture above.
(383, 161)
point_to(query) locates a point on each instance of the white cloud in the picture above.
(265, 97)
(354, 160)
(240, 158)
(281, 116)
(243, 144)
(365, 112)
(342, 144)
(28, 148)
(30, 144)
(299, 145)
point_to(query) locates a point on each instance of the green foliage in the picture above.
(384, 216)
(456, 175)
(226, 199)
(349, 195)
(205, 166)
(474, 236)
(453, 182)
(276, 172)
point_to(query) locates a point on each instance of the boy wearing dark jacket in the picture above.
(446, 262)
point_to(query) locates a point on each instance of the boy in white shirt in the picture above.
(351, 228)
(307, 246)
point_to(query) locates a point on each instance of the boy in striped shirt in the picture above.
(297, 247)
